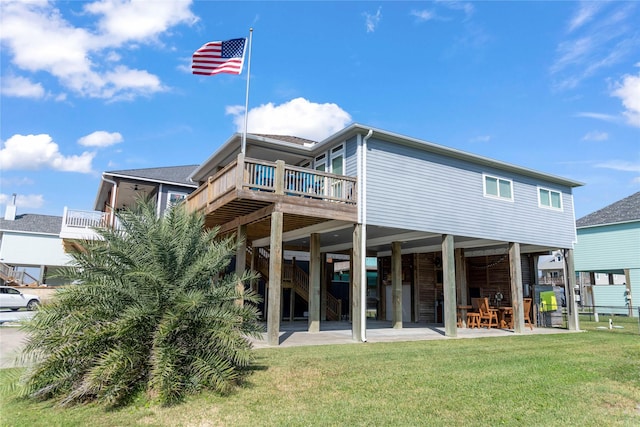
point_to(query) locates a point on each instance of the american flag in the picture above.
(219, 57)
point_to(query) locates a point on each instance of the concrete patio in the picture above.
(295, 333)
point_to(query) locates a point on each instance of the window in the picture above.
(498, 187)
(549, 198)
(321, 163)
(175, 198)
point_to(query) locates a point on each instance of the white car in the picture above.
(14, 299)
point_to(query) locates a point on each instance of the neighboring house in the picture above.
(552, 269)
(444, 225)
(120, 189)
(31, 249)
(609, 246)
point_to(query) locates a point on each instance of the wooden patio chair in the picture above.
(526, 302)
(488, 316)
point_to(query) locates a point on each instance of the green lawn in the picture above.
(585, 379)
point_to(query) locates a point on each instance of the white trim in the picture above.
(498, 179)
(550, 206)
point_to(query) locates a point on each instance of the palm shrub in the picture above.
(153, 310)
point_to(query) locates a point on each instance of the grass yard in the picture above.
(581, 379)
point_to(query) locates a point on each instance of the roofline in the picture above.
(44, 233)
(357, 128)
(158, 181)
(607, 223)
(354, 129)
(233, 143)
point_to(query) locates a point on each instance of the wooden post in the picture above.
(573, 324)
(357, 327)
(627, 281)
(241, 261)
(461, 282)
(449, 286)
(314, 282)
(515, 270)
(323, 288)
(396, 285)
(254, 259)
(279, 177)
(239, 172)
(275, 279)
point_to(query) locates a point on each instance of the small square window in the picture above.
(498, 187)
(549, 198)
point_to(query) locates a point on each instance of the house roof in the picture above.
(32, 223)
(289, 138)
(625, 210)
(168, 175)
(287, 145)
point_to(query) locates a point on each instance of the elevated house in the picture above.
(31, 249)
(121, 188)
(609, 245)
(444, 225)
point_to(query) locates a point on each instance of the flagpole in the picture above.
(246, 101)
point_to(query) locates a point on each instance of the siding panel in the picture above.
(419, 190)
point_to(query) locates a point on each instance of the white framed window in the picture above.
(496, 187)
(549, 198)
(320, 163)
(337, 160)
(175, 198)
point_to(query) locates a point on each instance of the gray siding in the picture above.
(420, 190)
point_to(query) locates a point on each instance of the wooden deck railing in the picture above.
(80, 224)
(12, 276)
(276, 177)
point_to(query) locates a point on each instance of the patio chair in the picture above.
(488, 316)
(527, 312)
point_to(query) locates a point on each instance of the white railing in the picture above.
(79, 224)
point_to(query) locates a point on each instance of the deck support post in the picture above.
(357, 282)
(515, 270)
(449, 285)
(275, 280)
(314, 282)
(461, 283)
(573, 324)
(396, 285)
(323, 288)
(241, 261)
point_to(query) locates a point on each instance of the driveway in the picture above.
(11, 336)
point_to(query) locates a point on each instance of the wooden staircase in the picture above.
(296, 279)
(13, 277)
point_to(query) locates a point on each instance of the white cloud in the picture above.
(21, 87)
(423, 15)
(584, 14)
(620, 165)
(38, 38)
(595, 136)
(481, 138)
(100, 138)
(466, 7)
(372, 21)
(628, 90)
(298, 117)
(601, 37)
(598, 116)
(33, 152)
(124, 21)
(29, 201)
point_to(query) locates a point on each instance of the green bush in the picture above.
(153, 310)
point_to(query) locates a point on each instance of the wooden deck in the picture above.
(247, 191)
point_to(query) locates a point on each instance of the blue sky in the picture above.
(106, 85)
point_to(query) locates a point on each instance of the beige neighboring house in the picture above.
(31, 250)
